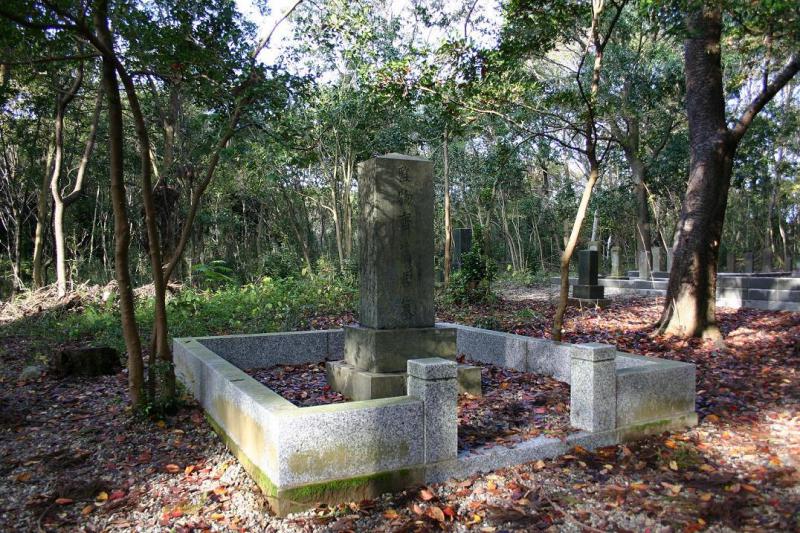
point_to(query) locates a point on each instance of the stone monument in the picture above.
(462, 243)
(731, 262)
(656, 250)
(644, 265)
(766, 260)
(748, 262)
(588, 291)
(396, 316)
(616, 269)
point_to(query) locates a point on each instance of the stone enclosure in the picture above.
(400, 368)
(301, 456)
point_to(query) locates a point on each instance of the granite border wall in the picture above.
(301, 456)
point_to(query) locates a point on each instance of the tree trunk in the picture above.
(448, 230)
(41, 220)
(130, 332)
(690, 305)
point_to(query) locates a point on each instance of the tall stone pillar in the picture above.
(730, 265)
(656, 250)
(766, 260)
(396, 316)
(616, 267)
(748, 262)
(644, 265)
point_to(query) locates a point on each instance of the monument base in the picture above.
(616, 277)
(388, 350)
(595, 292)
(589, 302)
(360, 385)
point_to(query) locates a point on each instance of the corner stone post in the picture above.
(593, 394)
(434, 381)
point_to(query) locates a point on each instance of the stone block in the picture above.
(593, 382)
(362, 385)
(440, 406)
(396, 222)
(588, 261)
(386, 350)
(469, 380)
(654, 392)
(595, 292)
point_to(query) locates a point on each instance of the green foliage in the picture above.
(273, 304)
(214, 274)
(473, 282)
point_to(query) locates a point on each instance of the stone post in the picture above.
(593, 387)
(748, 262)
(434, 381)
(594, 245)
(616, 271)
(656, 258)
(462, 243)
(766, 260)
(644, 265)
(670, 255)
(731, 262)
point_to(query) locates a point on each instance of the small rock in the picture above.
(29, 373)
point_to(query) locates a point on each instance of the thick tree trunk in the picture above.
(130, 332)
(690, 305)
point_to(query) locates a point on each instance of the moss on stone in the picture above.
(285, 501)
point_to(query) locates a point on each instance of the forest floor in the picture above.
(72, 457)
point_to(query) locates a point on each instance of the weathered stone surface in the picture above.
(433, 381)
(31, 372)
(654, 392)
(616, 268)
(103, 361)
(396, 225)
(593, 387)
(766, 260)
(730, 264)
(269, 349)
(462, 243)
(644, 265)
(748, 262)
(588, 261)
(657, 252)
(588, 291)
(387, 350)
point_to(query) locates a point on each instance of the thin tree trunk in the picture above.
(448, 230)
(42, 212)
(130, 332)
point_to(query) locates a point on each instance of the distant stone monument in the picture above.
(616, 268)
(462, 243)
(588, 290)
(644, 265)
(766, 260)
(656, 258)
(748, 262)
(731, 262)
(396, 316)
